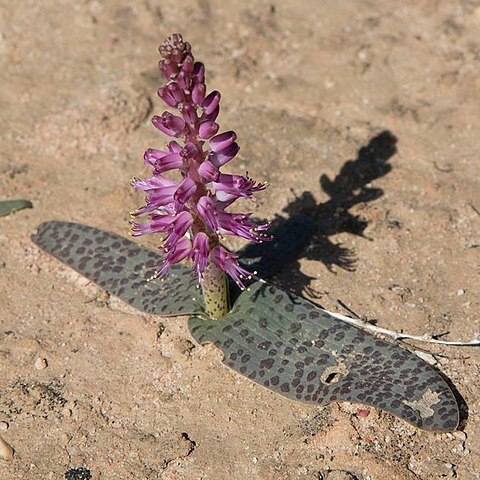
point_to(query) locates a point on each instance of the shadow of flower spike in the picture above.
(306, 231)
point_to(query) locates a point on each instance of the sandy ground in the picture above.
(306, 85)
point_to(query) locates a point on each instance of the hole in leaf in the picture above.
(333, 374)
(333, 377)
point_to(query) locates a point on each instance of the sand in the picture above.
(306, 85)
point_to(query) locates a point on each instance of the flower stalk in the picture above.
(191, 211)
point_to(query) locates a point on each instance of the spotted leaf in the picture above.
(10, 206)
(121, 267)
(290, 346)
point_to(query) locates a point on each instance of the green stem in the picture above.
(215, 292)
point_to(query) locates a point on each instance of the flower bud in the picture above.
(187, 65)
(223, 140)
(199, 72)
(169, 124)
(208, 172)
(223, 156)
(207, 130)
(211, 102)
(189, 114)
(198, 93)
(184, 80)
(171, 94)
(168, 68)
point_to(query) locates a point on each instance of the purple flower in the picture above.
(230, 187)
(190, 212)
(228, 262)
(200, 252)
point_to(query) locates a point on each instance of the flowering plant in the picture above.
(191, 212)
(275, 338)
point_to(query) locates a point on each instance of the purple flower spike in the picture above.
(190, 212)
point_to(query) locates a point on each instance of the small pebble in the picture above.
(3, 426)
(460, 292)
(459, 435)
(41, 363)
(428, 357)
(6, 451)
(363, 412)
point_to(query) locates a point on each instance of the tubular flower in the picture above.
(190, 213)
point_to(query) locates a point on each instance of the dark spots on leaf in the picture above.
(267, 363)
(294, 327)
(264, 345)
(262, 322)
(266, 336)
(285, 387)
(339, 336)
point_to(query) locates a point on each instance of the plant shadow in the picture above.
(306, 229)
